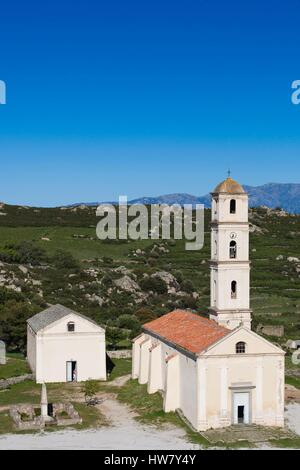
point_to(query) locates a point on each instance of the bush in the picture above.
(114, 336)
(129, 322)
(188, 302)
(154, 284)
(145, 315)
(24, 252)
(187, 286)
(90, 388)
(64, 260)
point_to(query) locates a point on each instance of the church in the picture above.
(216, 371)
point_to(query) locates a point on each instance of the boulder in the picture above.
(127, 284)
(23, 269)
(169, 279)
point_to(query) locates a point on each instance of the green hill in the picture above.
(53, 256)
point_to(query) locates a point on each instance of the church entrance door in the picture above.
(241, 410)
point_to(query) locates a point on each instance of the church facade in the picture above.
(216, 371)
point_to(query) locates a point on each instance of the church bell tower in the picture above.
(230, 266)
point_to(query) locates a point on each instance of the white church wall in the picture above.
(225, 275)
(155, 380)
(226, 234)
(172, 398)
(53, 352)
(261, 368)
(188, 388)
(31, 349)
(136, 353)
(144, 360)
(54, 346)
(223, 208)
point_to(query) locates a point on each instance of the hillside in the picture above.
(53, 256)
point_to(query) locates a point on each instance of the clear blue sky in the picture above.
(146, 97)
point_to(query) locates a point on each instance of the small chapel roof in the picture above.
(51, 315)
(229, 186)
(187, 330)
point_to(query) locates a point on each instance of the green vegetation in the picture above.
(90, 388)
(121, 367)
(67, 264)
(13, 368)
(295, 381)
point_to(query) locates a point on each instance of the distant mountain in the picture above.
(284, 195)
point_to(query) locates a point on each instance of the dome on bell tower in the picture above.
(229, 186)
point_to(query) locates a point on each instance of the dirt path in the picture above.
(123, 433)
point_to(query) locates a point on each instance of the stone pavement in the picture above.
(251, 433)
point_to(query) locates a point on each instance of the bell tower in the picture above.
(230, 266)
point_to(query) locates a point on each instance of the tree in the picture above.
(113, 336)
(129, 322)
(145, 314)
(14, 315)
(90, 388)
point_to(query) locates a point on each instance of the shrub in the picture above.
(64, 260)
(154, 284)
(187, 286)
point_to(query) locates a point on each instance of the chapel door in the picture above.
(241, 408)
(69, 371)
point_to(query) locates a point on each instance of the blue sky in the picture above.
(146, 97)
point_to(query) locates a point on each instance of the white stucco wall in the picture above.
(221, 208)
(55, 346)
(177, 376)
(203, 388)
(221, 278)
(31, 349)
(261, 369)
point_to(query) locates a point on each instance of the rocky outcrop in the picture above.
(127, 284)
(172, 283)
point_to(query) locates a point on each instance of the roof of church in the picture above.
(187, 330)
(229, 186)
(51, 315)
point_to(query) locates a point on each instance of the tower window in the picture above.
(71, 326)
(240, 347)
(233, 289)
(232, 249)
(232, 206)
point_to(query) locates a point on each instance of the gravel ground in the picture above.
(124, 433)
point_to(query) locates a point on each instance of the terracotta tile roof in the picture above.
(187, 330)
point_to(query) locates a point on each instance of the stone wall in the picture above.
(271, 330)
(67, 408)
(6, 383)
(32, 422)
(121, 354)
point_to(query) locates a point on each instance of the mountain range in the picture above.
(273, 195)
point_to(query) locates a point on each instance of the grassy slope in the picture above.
(275, 284)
